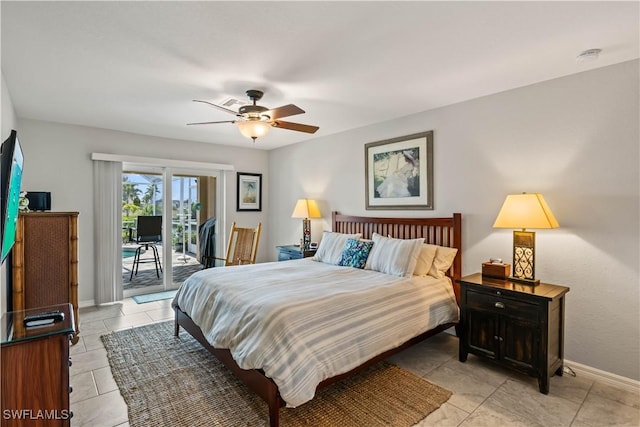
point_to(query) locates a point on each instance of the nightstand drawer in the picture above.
(285, 255)
(503, 305)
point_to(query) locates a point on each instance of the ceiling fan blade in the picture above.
(212, 123)
(218, 107)
(284, 111)
(295, 126)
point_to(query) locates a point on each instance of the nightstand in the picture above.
(293, 252)
(35, 368)
(516, 325)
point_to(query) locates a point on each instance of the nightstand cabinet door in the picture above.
(482, 333)
(520, 343)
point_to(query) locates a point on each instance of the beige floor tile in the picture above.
(468, 392)
(129, 321)
(134, 307)
(445, 416)
(91, 328)
(93, 342)
(106, 410)
(522, 400)
(83, 386)
(77, 347)
(481, 370)
(165, 313)
(91, 314)
(598, 411)
(422, 358)
(566, 386)
(616, 394)
(88, 361)
(489, 415)
(104, 380)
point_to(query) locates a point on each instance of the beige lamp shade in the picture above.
(306, 208)
(526, 210)
(253, 128)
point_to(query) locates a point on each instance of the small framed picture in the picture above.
(249, 192)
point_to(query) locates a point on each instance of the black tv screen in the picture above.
(10, 179)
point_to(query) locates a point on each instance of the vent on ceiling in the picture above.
(233, 104)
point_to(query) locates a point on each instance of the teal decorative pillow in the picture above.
(355, 253)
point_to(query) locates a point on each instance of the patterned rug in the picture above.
(169, 381)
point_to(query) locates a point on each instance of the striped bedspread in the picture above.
(303, 321)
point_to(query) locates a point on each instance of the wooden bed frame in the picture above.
(440, 231)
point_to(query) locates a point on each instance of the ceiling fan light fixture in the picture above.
(253, 128)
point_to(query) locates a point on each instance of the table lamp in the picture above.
(526, 210)
(305, 209)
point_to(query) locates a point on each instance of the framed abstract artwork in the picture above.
(399, 172)
(249, 192)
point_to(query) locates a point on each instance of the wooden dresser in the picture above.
(35, 369)
(45, 262)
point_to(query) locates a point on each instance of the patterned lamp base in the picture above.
(524, 243)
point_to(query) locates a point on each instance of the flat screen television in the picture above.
(10, 179)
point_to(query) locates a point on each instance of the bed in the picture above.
(282, 376)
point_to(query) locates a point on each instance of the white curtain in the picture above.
(107, 186)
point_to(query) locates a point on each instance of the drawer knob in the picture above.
(499, 304)
(498, 293)
(497, 338)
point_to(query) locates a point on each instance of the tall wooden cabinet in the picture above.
(45, 262)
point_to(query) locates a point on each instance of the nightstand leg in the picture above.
(560, 371)
(543, 383)
(462, 355)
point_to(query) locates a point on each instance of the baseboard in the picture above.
(89, 303)
(603, 376)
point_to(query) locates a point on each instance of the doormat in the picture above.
(158, 296)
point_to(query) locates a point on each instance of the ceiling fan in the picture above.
(255, 121)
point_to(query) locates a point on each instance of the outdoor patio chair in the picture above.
(148, 233)
(243, 245)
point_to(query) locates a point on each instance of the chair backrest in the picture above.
(149, 229)
(243, 245)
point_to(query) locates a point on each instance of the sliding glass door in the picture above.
(183, 200)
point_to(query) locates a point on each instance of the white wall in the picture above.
(574, 139)
(57, 159)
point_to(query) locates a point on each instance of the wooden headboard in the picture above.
(436, 231)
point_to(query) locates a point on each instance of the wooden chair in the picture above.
(243, 245)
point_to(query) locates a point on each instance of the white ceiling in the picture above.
(137, 66)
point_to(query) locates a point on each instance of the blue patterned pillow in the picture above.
(355, 253)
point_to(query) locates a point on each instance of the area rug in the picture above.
(169, 381)
(158, 296)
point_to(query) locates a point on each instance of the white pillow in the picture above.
(331, 247)
(442, 262)
(425, 260)
(394, 256)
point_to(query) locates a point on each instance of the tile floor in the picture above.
(483, 394)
